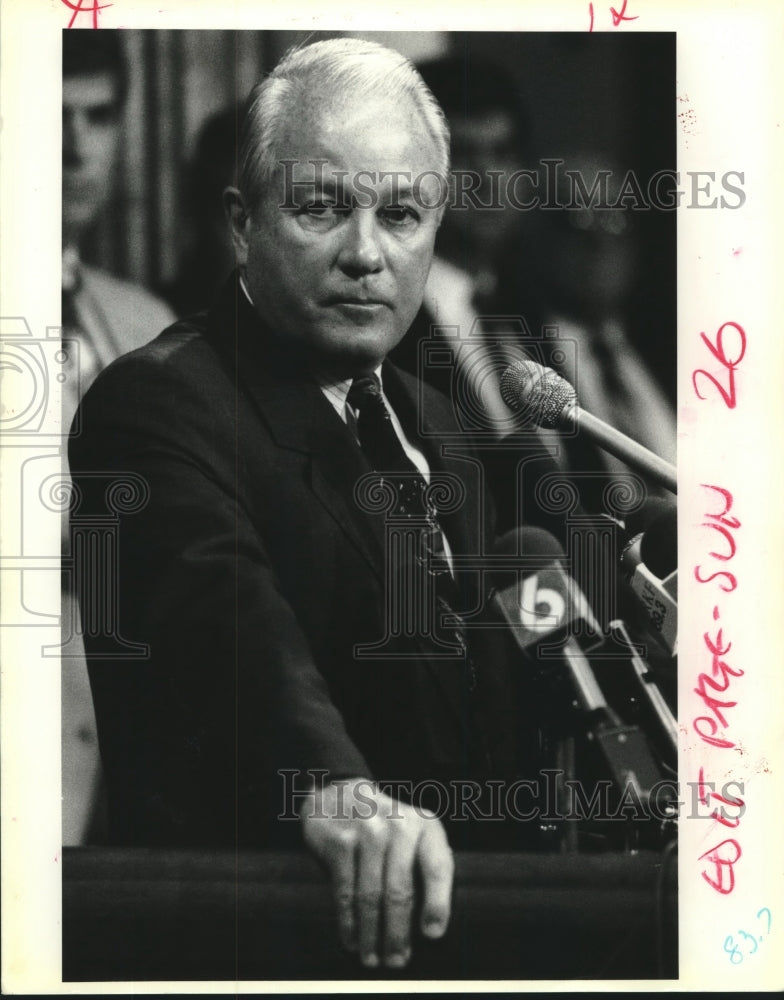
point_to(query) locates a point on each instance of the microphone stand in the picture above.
(623, 751)
(623, 447)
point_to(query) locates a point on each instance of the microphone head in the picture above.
(538, 392)
(659, 545)
(638, 521)
(529, 540)
(636, 525)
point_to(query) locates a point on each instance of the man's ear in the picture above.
(238, 218)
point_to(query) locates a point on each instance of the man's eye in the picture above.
(400, 215)
(322, 209)
(320, 216)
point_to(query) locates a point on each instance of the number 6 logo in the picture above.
(540, 608)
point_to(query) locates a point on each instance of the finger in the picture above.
(343, 865)
(437, 867)
(369, 888)
(398, 902)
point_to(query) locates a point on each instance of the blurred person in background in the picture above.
(103, 316)
(488, 132)
(207, 258)
(574, 269)
(582, 276)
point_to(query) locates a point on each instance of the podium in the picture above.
(160, 914)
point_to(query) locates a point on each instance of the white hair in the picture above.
(340, 66)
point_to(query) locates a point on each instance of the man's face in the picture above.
(482, 144)
(337, 262)
(90, 134)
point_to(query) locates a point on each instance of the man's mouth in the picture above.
(363, 301)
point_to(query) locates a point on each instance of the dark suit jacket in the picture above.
(251, 573)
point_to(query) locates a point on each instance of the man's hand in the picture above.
(371, 844)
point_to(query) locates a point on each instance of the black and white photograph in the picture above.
(377, 433)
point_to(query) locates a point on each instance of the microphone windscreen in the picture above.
(538, 393)
(529, 541)
(659, 546)
(638, 521)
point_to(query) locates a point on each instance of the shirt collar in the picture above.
(337, 391)
(244, 287)
(71, 267)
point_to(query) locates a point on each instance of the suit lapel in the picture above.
(426, 421)
(298, 416)
(337, 464)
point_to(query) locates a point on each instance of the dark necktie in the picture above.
(383, 448)
(385, 452)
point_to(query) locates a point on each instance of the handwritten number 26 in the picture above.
(730, 364)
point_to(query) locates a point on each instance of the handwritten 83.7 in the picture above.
(748, 941)
(714, 686)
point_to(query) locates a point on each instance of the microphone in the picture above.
(535, 390)
(544, 602)
(649, 561)
(659, 548)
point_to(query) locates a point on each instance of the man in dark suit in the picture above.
(259, 566)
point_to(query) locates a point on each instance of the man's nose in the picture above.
(360, 252)
(74, 125)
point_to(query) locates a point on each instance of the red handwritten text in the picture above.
(718, 680)
(729, 363)
(80, 7)
(709, 685)
(706, 793)
(723, 857)
(722, 523)
(713, 686)
(617, 15)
